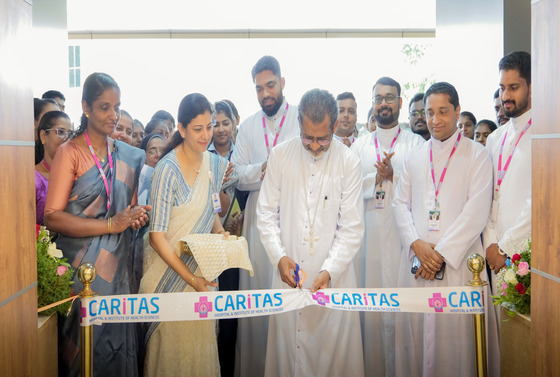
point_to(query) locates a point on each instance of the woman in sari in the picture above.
(90, 203)
(53, 130)
(182, 185)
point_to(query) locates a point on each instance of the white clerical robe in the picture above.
(249, 154)
(436, 344)
(509, 224)
(314, 341)
(377, 262)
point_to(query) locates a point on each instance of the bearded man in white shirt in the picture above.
(509, 225)
(258, 135)
(310, 213)
(382, 154)
(441, 205)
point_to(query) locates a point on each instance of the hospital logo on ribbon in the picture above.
(437, 302)
(84, 313)
(203, 307)
(321, 298)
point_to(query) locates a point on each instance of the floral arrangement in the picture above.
(54, 274)
(513, 284)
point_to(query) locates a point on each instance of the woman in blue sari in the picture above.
(182, 185)
(91, 205)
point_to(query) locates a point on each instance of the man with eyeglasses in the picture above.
(310, 213)
(258, 135)
(417, 116)
(381, 154)
(347, 118)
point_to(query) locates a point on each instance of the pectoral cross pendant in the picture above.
(311, 239)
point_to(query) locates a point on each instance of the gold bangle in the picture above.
(109, 225)
(192, 280)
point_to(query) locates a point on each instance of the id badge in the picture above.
(379, 199)
(433, 220)
(216, 202)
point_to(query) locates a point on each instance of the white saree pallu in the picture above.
(215, 254)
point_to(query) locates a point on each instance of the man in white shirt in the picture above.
(258, 135)
(371, 124)
(310, 213)
(501, 117)
(382, 154)
(347, 118)
(441, 205)
(417, 116)
(509, 225)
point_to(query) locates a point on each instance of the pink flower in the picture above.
(38, 229)
(523, 269)
(61, 270)
(520, 288)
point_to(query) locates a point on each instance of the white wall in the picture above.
(50, 53)
(469, 45)
(155, 74)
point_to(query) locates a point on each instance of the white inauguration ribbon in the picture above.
(190, 306)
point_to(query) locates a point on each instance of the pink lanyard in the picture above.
(390, 149)
(502, 173)
(277, 133)
(103, 176)
(444, 169)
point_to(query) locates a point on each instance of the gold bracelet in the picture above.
(192, 280)
(109, 224)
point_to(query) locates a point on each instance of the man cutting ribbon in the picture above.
(310, 218)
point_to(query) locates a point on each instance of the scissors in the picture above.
(297, 277)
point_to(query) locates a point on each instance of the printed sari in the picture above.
(186, 348)
(114, 345)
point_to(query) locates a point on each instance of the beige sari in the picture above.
(187, 348)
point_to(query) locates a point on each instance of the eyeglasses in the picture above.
(61, 133)
(154, 151)
(389, 98)
(307, 141)
(415, 113)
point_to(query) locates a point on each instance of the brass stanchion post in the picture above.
(87, 274)
(476, 266)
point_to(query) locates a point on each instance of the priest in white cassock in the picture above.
(440, 210)
(509, 225)
(258, 135)
(310, 213)
(382, 154)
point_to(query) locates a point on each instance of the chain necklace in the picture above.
(311, 239)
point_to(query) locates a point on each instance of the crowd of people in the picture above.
(308, 192)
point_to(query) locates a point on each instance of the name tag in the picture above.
(433, 220)
(379, 199)
(216, 202)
